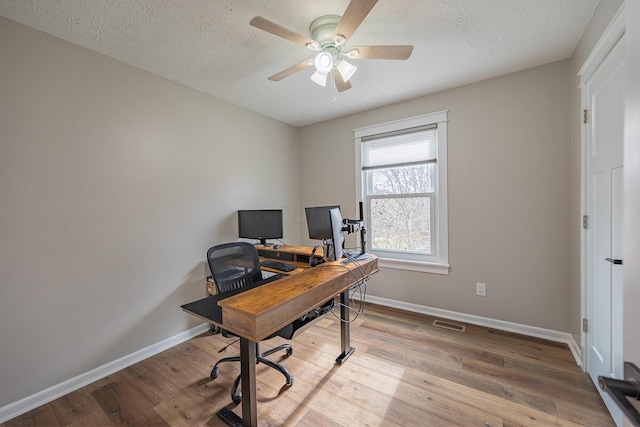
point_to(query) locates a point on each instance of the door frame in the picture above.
(614, 32)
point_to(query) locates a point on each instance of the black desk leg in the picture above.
(345, 337)
(248, 372)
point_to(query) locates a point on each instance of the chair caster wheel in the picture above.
(289, 351)
(290, 383)
(214, 373)
(237, 398)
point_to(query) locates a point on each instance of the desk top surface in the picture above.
(265, 297)
(257, 312)
(261, 311)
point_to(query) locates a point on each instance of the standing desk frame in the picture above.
(263, 309)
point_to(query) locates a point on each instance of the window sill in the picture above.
(423, 267)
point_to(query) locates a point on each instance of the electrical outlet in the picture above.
(481, 289)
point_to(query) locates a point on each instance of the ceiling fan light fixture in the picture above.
(323, 62)
(346, 70)
(319, 78)
(315, 46)
(329, 36)
(352, 53)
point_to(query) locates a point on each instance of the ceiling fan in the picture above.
(329, 35)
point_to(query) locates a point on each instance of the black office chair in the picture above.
(237, 265)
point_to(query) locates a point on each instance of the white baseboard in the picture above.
(15, 409)
(502, 325)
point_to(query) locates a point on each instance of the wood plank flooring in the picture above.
(404, 372)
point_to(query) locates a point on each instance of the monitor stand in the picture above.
(359, 257)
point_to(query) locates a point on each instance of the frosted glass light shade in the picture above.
(346, 70)
(323, 62)
(319, 78)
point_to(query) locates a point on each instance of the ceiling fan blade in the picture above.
(291, 70)
(275, 29)
(341, 85)
(353, 17)
(383, 52)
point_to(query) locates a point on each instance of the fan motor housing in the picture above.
(322, 29)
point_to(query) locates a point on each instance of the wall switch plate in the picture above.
(481, 289)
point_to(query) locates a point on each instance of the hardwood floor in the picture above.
(404, 372)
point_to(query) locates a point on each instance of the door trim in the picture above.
(607, 41)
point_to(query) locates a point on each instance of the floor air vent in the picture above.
(449, 325)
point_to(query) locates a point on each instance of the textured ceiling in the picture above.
(210, 46)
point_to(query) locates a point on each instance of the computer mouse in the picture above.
(277, 246)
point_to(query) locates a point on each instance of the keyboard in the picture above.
(277, 265)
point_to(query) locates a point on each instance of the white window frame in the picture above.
(439, 262)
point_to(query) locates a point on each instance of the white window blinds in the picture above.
(400, 148)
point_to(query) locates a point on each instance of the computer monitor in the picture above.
(336, 232)
(319, 222)
(260, 224)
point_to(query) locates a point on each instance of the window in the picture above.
(402, 178)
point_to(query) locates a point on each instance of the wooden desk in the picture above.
(256, 313)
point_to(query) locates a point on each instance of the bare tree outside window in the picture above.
(401, 207)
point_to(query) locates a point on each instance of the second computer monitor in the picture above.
(336, 231)
(319, 222)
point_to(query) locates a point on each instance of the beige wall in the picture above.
(113, 184)
(599, 22)
(509, 195)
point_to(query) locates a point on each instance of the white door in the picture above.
(604, 95)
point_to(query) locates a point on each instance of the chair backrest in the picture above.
(234, 265)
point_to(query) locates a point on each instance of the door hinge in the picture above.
(585, 325)
(585, 115)
(585, 221)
